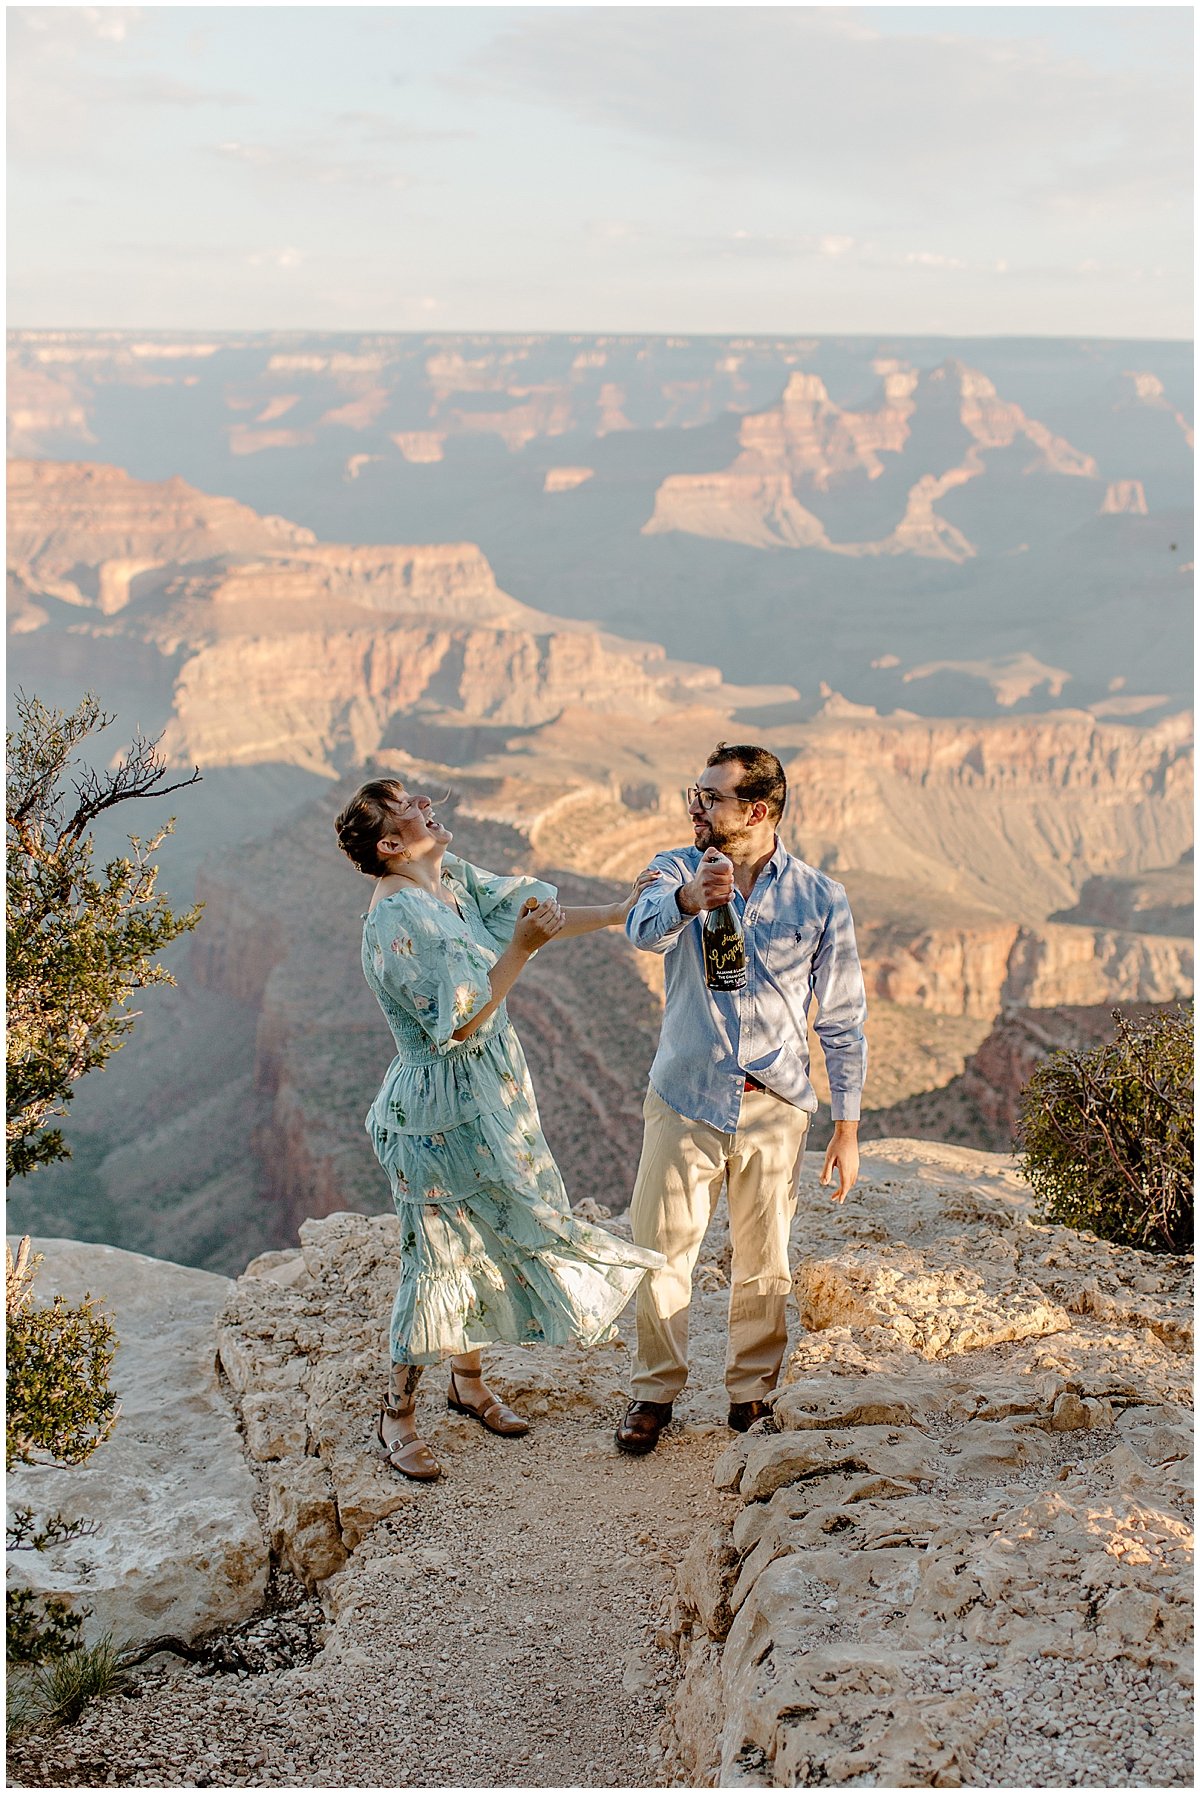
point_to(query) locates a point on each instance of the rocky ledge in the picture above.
(960, 1553)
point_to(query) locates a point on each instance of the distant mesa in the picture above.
(610, 405)
(808, 443)
(421, 445)
(996, 424)
(1125, 498)
(245, 439)
(835, 705)
(565, 479)
(1130, 704)
(356, 463)
(338, 361)
(78, 530)
(277, 407)
(1011, 678)
(759, 509)
(1146, 390)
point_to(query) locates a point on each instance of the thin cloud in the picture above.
(159, 90)
(818, 96)
(310, 165)
(378, 127)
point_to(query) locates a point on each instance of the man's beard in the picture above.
(727, 838)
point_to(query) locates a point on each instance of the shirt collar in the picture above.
(778, 859)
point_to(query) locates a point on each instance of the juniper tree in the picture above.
(80, 940)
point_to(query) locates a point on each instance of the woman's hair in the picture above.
(364, 822)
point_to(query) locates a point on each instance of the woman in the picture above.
(488, 1249)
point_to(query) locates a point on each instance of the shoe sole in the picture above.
(636, 1448)
(412, 1476)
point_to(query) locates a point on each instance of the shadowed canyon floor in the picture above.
(960, 1556)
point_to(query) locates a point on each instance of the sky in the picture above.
(826, 170)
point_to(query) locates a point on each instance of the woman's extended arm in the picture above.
(587, 918)
(536, 925)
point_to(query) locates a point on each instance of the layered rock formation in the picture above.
(960, 1555)
(1000, 807)
(281, 649)
(807, 443)
(80, 532)
(943, 512)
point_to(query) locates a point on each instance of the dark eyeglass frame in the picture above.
(708, 798)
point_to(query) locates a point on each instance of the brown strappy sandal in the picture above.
(494, 1414)
(411, 1457)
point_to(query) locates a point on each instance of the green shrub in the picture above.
(57, 1398)
(1105, 1137)
(60, 1407)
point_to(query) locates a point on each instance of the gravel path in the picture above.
(501, 1630)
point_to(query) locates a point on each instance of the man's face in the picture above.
(723, 824)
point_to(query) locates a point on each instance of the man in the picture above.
(729, 1098)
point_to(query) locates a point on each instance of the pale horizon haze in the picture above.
(934, 170)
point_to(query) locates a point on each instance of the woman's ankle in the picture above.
(402, 1388)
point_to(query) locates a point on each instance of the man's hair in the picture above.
(763, 780)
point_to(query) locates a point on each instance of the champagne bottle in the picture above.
(724, 944)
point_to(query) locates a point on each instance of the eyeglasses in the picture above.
(706, 797)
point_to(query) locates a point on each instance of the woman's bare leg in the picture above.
(399, 1427)
(469, 1389)
(468, 1378)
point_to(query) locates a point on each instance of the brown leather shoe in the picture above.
(742, 1415)
(643, 1422)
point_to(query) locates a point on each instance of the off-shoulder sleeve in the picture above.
(429, 970)
(498, 896)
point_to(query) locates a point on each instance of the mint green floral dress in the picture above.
(489, 1249)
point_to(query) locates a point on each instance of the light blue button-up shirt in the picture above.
(799, 944)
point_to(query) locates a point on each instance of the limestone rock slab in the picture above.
(964, 1557)
(939, 1301)
(178, 1547)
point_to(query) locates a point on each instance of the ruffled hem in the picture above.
(565, 1286)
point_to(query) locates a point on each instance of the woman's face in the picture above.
(413, 827)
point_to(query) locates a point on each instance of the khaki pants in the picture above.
(683, 1166)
